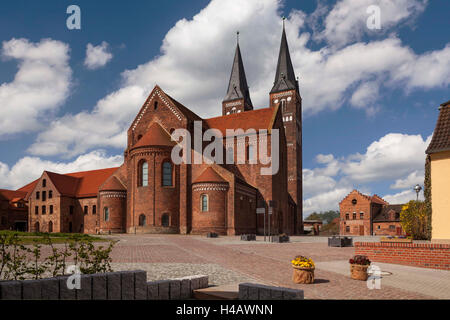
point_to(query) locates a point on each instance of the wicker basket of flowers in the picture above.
(358, 267)
(303, 270)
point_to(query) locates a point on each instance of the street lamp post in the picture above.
(417, 188)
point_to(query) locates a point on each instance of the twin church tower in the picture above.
(285, 94)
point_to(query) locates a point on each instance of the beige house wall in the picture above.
(440, 195)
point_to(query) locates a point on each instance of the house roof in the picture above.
(209, 175)
(76, 184)
(11, 195)
(441, 136)
(155, 136)
(112, 184)
(383, 214)
(256, 119)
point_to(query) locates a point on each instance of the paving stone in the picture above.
(152, 290)
(174, 290)
(264, 293)
(253, 292)
(127, 282)
(276, 294)
(49, 289)
(203, 281)
(64, 292)
(99, 286)
(185, 290)
(243, 291)
(114, 285)
(10, 290)
(31, 290)
(85, 293)
(140, 285)
(292, 294)
(163, 289)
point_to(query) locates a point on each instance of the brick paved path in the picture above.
(268, 263)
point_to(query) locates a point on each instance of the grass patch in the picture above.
(40, 237)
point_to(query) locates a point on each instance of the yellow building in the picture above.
(439, 152)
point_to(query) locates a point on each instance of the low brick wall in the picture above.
(123, 285)
(254, 291)
(425, 255)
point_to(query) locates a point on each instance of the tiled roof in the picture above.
(383, 213)
(12, 194)
(441, 136)
(76, 184)
(155, 136)
(256, 119)
(209, 175)
(112, 184)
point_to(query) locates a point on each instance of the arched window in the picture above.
(283, 105)
(36, 227)
(70, 227)
(44, 183)
(165, 220)
(143, 174)
(50, 226)
(354, 215)
(167, 174)
(155, 105)
(106, 214)
(142, 220)
(204, 202)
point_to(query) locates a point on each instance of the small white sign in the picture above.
(260, 210)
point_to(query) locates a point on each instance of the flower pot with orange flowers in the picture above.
(303, 270)
(358, 267)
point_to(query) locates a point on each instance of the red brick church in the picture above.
(151, 194)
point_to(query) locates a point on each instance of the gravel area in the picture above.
(163, 271)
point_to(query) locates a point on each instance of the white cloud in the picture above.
(97, 56)
(402, 197)
(393, 156)
(325, 201)
(28, 169)
(347, 21)
(40, 85)
(196, 57)
(415, 177)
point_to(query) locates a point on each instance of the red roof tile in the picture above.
(11, 194)
(441, 136)
(112, 184)
(76, 184)
(256, 119)
(209, 175)
(155, 136)
(90, 181)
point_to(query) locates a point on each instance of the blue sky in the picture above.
(370, 97)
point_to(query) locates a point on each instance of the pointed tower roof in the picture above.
(285, 76)
(237, 87)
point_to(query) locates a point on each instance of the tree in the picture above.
(414, 219)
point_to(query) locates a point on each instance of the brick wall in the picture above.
(424, 255)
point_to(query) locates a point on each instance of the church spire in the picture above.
(237, 86)
(285, 76)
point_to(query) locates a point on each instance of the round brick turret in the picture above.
(113, 203)
(209, 203)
